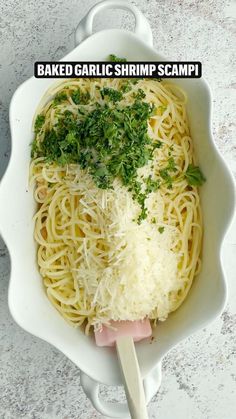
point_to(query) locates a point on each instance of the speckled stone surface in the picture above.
(199, 376)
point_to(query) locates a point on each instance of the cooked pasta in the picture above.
(115, 251)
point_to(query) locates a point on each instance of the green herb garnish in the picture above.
(60, 97)
(80, 98)
(157, 144)
(115, 59)
(161, 229)
(139, 94)
(126, 87)
(39, 123)
(194, 176)
(152, 185)
(165, 173)
(135, 80)
(171, 165)
(166, 177)
(112, 94)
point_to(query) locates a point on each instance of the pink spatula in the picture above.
(123, 335)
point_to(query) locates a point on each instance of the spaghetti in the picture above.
(98, 260)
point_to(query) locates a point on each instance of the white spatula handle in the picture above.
(132, 378)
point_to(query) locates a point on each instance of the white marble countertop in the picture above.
(199, 375)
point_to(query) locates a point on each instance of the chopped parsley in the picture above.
(112, 94)
(152, 185)
(39, 123)
(135, 80)
(194, 176)
(157, 144)
(115, 59)
(161, 229)
(166, 177)
(171, 165)
(126, 87)
(139, 94)
(140, 197)
(80, 98)
(165, 173)
(59, 98)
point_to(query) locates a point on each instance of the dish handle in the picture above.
(119, 410)
(142, 27)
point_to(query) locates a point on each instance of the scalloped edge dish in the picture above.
(28, 303)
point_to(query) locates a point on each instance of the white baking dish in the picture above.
(27, 300)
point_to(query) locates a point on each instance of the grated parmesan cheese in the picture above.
(130, 270)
